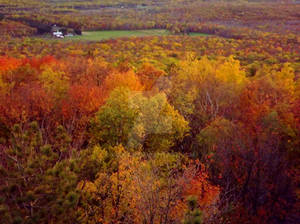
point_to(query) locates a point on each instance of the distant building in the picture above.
(56, 31)
(58, 34)
(62, 32)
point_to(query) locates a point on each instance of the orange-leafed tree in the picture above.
(122, 79)
(148, 75)
(78, 107)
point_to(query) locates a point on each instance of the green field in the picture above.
(194, 34)
(113, 34)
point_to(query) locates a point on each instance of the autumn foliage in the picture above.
(244, 131)
(152, 130)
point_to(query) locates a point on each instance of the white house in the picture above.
(58, 34)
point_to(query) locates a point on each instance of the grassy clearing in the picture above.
(113, 34)
(199, 34)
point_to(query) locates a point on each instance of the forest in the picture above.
(153, 129)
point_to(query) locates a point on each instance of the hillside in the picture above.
(152, 112)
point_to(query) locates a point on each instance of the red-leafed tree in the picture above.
(78, 107)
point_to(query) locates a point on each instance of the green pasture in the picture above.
(114, 34)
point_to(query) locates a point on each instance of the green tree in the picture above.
(37, 185)
(137, 121)
(114, 120)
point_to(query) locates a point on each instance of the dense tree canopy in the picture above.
(154, 130)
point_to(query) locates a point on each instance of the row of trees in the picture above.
(252, 53)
